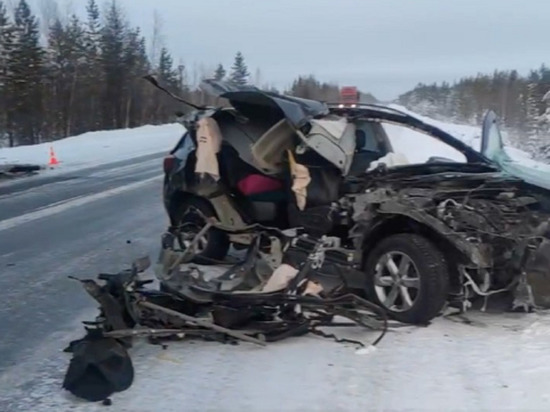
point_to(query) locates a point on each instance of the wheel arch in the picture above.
(397, 224)
(180, 197)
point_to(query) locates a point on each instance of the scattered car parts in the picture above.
(11, 171)
(249, 302)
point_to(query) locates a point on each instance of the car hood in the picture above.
(432, 173)
(246, 100)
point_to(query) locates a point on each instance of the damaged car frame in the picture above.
(247, 302)
(422, 235)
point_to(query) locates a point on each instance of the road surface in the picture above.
(80, 224)
(76, 224)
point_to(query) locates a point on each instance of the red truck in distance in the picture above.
(349, 96)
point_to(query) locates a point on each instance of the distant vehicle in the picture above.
(349, 96)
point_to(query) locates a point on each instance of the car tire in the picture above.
(215, 245)
(413, 286)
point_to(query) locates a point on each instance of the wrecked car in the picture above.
(422, 235)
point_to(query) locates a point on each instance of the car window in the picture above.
(366, 137)
(181, 142)
(419, 147)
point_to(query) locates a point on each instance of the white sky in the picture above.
(381, 46)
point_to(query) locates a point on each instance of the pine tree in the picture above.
(93, 28)
(170, 78)
(6, 48)
(93, 77)
(308, 87)
(6, 42)
(136, 65)
(112, 48)
(239, 71)
(56, 79)
(532, 111)
(67, 109)
(25, 68)
(513, 109)
(220, 72)
(166, 69)
(76, 46)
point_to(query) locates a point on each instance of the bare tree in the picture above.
(49, 11)
(157, 40)
(257, 81)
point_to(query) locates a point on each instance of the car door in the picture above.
(492, 147)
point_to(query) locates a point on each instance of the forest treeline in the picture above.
(88, 74)
(522, 103)
(64, 75)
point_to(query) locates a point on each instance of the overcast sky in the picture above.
(382, 46)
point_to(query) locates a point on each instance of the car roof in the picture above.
(382, 113)
(299, 111)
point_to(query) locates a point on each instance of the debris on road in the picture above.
(10, 171)
(256, 300)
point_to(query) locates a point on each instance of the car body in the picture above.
(423, 234)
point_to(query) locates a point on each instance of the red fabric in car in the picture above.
(255, 184)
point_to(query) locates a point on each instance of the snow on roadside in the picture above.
(410, 142)
(419, 147)
(97, 148)
(498, 362)
(471, 135)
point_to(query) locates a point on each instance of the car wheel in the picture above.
(211, 247)
(407, 275)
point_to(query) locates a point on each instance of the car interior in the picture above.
(254, 170)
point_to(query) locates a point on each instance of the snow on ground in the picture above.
(471, 135)
(97, 148)
(498, 362)
(419, 147)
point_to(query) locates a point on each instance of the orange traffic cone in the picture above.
(53, 159)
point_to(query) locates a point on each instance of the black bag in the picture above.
(100, 366)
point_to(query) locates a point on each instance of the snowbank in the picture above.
(96, 148)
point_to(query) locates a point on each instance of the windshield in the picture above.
(419, 147)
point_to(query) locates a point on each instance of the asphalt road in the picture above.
(76, 224)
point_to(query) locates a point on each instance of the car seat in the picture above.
(317, 218)
(363, 157)
(260, 196)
